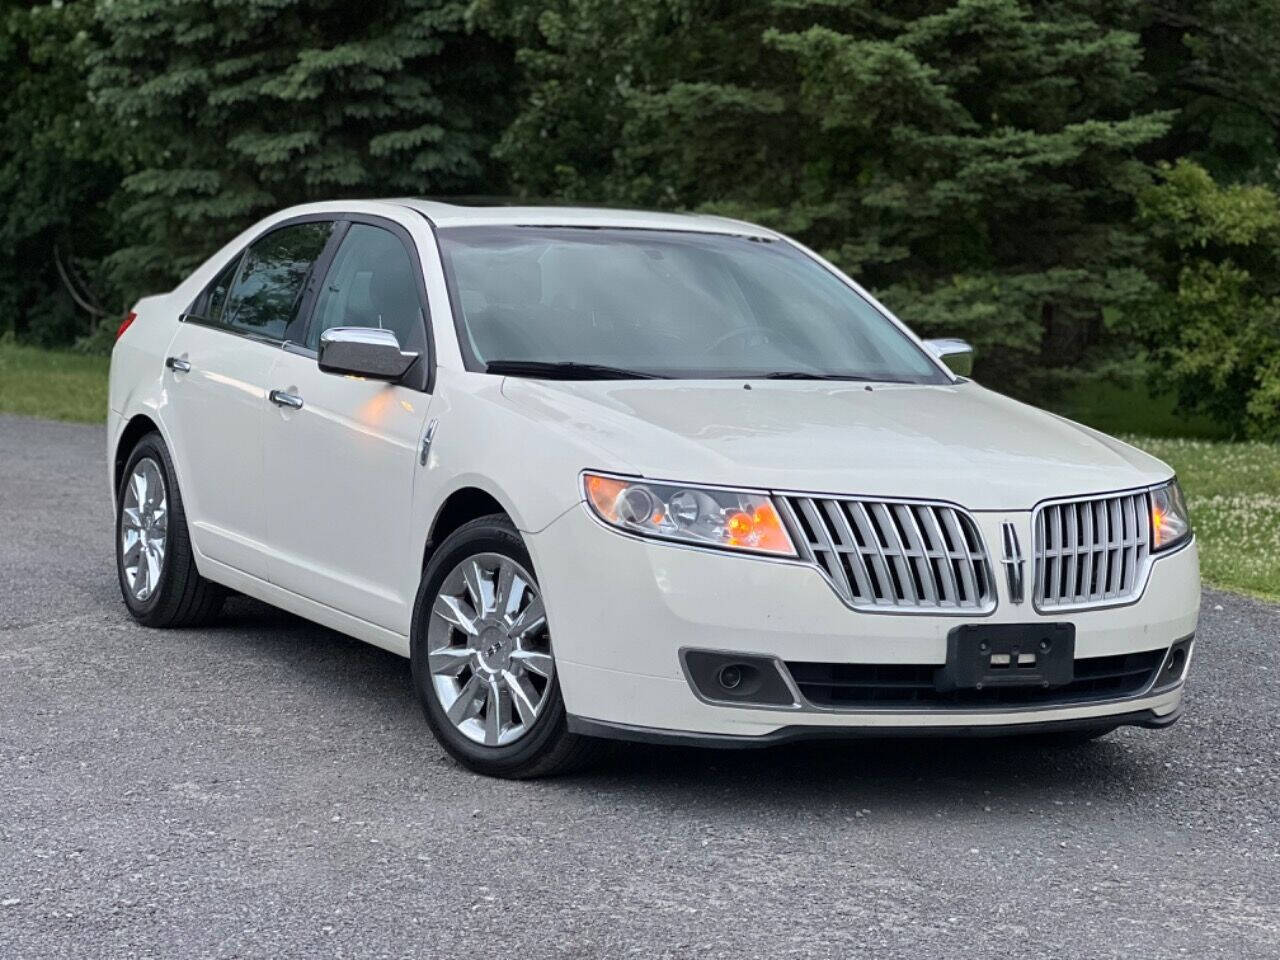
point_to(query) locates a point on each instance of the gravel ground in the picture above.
(268, 788)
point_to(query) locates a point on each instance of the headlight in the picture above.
(1170, 522)
(708, 517)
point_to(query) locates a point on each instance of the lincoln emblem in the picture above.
(1013, 562)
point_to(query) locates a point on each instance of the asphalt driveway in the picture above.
(268, 788)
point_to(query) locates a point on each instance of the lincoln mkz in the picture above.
(603, 474)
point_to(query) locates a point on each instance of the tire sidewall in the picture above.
(149, 447)
(492, 534)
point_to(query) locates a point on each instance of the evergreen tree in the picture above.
(236, 108)
(973, 161)
(58, 166)
(1217, 62)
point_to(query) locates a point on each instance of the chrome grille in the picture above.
(895, 555)
(1092, 551)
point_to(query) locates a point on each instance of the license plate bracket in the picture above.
(981, 655)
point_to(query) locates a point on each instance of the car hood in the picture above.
(960, 442)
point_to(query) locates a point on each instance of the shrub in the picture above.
(1213, 331)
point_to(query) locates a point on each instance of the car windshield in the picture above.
(609, 303)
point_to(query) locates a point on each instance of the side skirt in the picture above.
(302, 606)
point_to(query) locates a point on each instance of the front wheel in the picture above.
(483, 664)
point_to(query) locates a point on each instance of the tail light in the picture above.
(124, 325)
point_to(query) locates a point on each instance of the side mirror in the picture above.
(364, 352)
(956, 354)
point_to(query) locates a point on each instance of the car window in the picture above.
(273, 277)
(208, 306)
(371, 283)
(668, 303)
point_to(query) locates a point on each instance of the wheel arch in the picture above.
(462, 505)
(138, 427)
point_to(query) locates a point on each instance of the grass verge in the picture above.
(54, 384)
(1233, 491)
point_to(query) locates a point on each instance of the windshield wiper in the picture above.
(814, 375)
(566, 370)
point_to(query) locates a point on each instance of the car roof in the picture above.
(461, 215)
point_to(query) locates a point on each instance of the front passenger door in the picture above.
(341, 453)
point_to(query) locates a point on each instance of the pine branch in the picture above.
(70, 287)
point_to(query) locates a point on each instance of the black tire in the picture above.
(182, 598)
(547, 748)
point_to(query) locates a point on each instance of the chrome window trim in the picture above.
(208, 324)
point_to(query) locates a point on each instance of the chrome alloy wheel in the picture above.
(144, 528)
(489, 653)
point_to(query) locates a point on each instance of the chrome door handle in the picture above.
(282, 399)
(177, 364)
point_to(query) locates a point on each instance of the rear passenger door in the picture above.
(341, 454)
(216, 388)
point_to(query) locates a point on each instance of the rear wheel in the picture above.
(482, 659)
(154, 559)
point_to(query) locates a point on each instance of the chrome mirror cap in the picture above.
(956, 354)
(364, 352)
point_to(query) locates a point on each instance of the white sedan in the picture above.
(607, 474)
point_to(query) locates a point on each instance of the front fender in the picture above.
(485, 441)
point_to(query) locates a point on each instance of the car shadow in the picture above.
(920, 775)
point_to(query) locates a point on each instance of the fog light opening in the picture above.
(738, 679)
(731, 676)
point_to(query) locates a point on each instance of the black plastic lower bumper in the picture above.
(792, 733)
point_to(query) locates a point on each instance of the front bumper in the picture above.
(792, 733)
(621, 609)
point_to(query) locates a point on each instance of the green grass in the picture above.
(1233, 491)
(54, 384)
(1233, 488)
